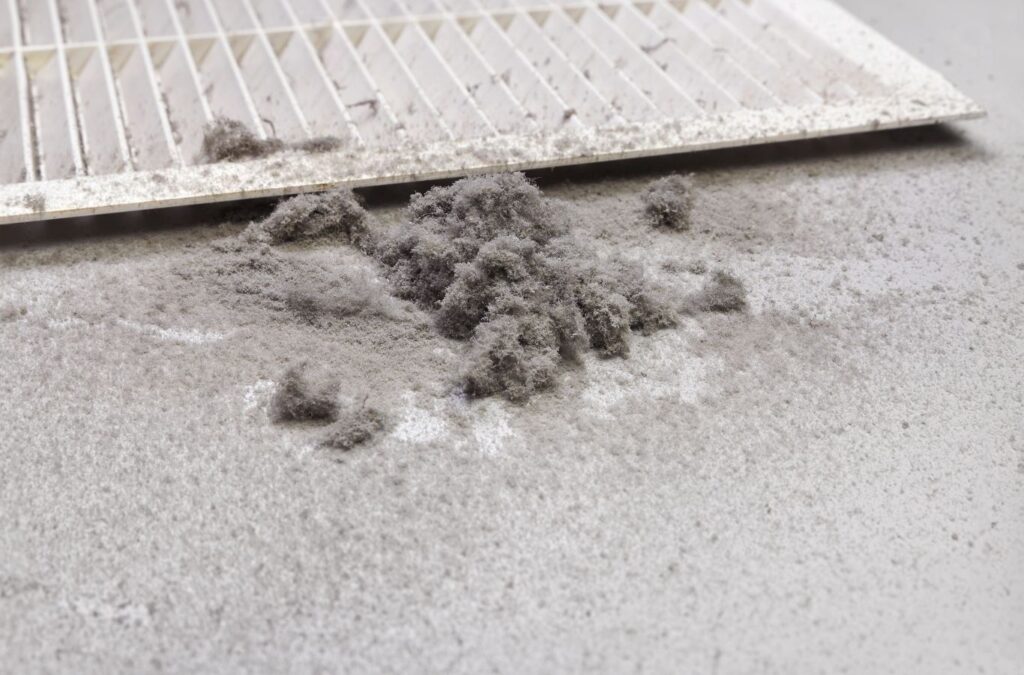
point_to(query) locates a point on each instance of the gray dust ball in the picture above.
(227, 140)
(302, 398)
(496, 262)
(668, 202)
(335, 213)
(353, 427)
(721, 293)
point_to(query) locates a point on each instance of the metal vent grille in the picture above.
(105, 100)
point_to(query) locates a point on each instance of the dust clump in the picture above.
(228, 140)
(496, 262)
(668, 203)
(722, 293)
(354, 427)
(301, 397)
(335, 213)
(318, 287)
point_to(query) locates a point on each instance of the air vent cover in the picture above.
(105, 101)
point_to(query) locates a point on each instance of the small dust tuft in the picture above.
(721, 293)
(354, 427)
(668, 203)
(301, 397)
(496, 262)
(228, 140)
(336, 213)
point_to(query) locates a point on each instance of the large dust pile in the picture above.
(495, 260)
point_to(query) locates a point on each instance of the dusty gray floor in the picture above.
(832, 483)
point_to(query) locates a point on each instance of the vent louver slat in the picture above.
(106, 100)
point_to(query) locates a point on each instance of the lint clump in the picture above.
(228, 140)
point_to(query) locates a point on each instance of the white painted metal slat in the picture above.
(105, 94)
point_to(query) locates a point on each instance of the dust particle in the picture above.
(668, 202)
(302, 398)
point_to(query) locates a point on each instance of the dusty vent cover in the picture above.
(104, 101)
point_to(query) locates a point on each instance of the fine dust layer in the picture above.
(829, 482)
